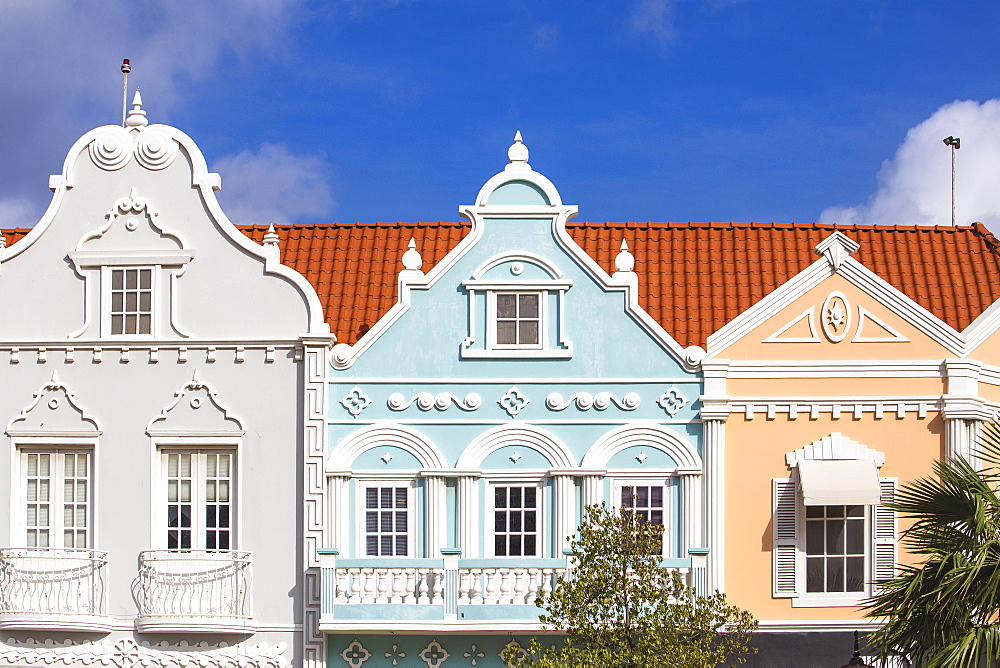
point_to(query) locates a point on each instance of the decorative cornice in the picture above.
(126, 653)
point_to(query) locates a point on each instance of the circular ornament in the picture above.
(155, 150)
(836, 317)
(111, 149)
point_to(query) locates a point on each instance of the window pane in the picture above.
(814, 511)
(131, 301)
(529, 497)
(529, 521)
(500, 546)
(815, 531)
(401, 522)
(400, 497)
(528, 306)
(500, 522)
(500, 497)
(528, 332)
(131, 278)
(506, 306)
(656, 497)
(385, 497)
(628, 497)
(117, 279)
(145, 278)
(515, 497)
(835, 574)
(815, 575)
(855, 574)
(834, 511)
(856, 537)
(515, 521)
(371, 497)
(400, 546)
(834, 537)
(529, 546)
(371, 546)
(514, 544)
(506, 332)
(386, 546)
(385, 523)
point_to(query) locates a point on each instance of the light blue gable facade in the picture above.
(512, 385)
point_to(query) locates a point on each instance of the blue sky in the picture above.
(636, 109)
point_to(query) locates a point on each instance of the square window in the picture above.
(517, 319)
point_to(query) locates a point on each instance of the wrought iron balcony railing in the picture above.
(194, 592)
(43, 588)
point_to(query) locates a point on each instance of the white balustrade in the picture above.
(42, 582)
(194, 584)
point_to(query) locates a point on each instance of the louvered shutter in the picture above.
(785, 496)
(884, 534)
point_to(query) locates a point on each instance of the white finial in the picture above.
(196, 379)
(624, 261)
(136, 117)
(518, 153)
(271, 240)
(411, 258)
(55, 378)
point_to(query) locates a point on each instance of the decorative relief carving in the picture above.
(155, 150)
(195, 408)
(355, 401)
(672, 401)
(513, 401)
(600, 401)
(126, 653)
(355, 654)
(53, 410)
(836, 318)
(434, 654)
(111, 149)
(441, 401)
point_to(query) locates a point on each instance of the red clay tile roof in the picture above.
(15, 234)
(693, 277)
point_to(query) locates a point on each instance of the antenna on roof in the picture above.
(126, 68)
(954, 143)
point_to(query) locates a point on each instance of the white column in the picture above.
(691, 517)
(564, 517)
(338, 513)
(964, 410)
(435, 524)
(467, 516)
(715, 501)
(592, 490)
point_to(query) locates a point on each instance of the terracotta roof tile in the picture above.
(693, 277)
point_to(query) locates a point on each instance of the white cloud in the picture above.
(61, 78)
(273, 186)
(655, 17)
(914, 187)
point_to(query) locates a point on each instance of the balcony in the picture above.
(194, 592)
(58, 589)
(450, 594)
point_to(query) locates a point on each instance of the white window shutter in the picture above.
(884, 534)
(785, 520)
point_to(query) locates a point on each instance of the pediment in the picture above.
(195, 411)
(837, 319)
(131, 226)
(53, 411)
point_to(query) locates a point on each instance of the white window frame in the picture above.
(542, 510)
(667, 483)
(198, 521)
(413, 516)
(789, 547)
(106, 299)
(19, 524)
(492, 320)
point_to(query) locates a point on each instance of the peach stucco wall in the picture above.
(755, 454)
(751, 346)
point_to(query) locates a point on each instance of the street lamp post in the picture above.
(856, 661)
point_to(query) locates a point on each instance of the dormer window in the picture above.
(131, 301)
(517, 309)
(517, 319)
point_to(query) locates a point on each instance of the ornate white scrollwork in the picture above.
(126, 653)
(600, 401)
(441, 401)
(672, 401)
(155, 150)
(513, 401)
(112, 149)
(355, 401)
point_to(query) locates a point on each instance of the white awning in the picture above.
(839, 482)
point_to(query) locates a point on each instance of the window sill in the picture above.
(41, 621)
(195, 624)
(846, 601)
(516, 353)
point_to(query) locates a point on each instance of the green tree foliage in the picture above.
(945, 610)
(619, 607)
